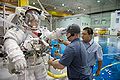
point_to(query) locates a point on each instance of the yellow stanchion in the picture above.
(57, 76)
(23, 3)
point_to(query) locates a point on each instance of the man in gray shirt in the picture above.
(94, 50)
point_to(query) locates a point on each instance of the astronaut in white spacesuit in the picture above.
(22, 46)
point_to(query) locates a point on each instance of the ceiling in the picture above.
(78, 6)
(74, 6)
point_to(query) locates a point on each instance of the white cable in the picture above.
(34, 61)
(43, 7)
(25, 74)
(12, 24)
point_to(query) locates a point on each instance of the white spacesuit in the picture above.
(23, 48)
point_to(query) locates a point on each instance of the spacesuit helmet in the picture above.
(33, 18)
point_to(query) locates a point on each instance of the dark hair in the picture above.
(29, 10)
(89, 30)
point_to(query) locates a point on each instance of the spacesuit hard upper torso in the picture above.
(16, 43)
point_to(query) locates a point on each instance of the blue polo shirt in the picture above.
(75, 58)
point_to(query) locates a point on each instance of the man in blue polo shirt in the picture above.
(94, 50)
(74, 57)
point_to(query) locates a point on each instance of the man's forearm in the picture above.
(56, 64)
(64, 42)
(99, 65)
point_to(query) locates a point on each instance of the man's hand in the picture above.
(63, 42)
(97, 72)
(57, 54)
(50, 61)
(99, 67)
(60, 40)
(55, 63)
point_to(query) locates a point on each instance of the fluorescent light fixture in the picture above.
(78, 7)
(34, 3)
(54, 7)
(63, 4)
(98, 1)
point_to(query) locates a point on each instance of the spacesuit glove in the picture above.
(20, 64)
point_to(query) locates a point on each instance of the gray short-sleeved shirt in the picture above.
(94, 51)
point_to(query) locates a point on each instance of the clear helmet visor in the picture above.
(32, 19)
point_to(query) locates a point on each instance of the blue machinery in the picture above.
(57, 48)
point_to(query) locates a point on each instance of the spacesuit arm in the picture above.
(11, 45)
(58, 33)
(13, 50)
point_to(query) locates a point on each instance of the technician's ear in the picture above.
(72, 34)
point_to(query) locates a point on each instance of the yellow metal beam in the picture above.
(23, 3)
(59, 14)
